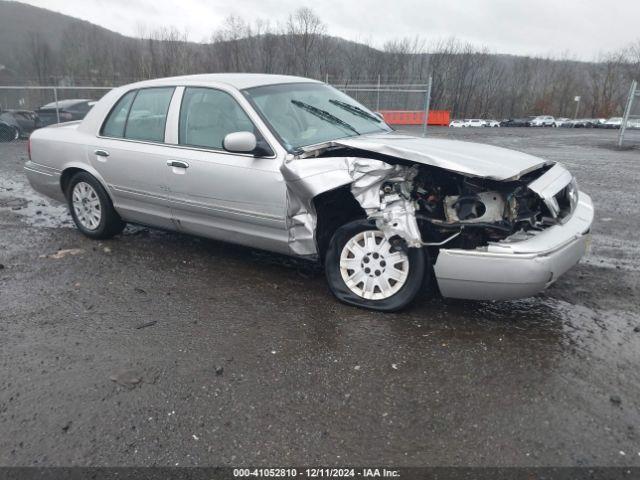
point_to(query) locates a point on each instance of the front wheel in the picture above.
(365, 270)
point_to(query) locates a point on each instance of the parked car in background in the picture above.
(491, 123)
(25, 121)
(559, 122)
(586, 123)
(613, 122)
(8, 133)
(68, 111)
(267, 161)
(457, 124)
(516, 122)
(633, 124)
(543, 121)
(568, 124)
(475, 123)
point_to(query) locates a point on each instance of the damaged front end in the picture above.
(417, 204)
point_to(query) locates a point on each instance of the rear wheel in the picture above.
(364, 269)
(91, 207)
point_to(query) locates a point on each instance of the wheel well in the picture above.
(333, 209)
(66, 176)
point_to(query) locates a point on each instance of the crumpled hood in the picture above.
(474, 159)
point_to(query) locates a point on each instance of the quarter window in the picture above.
(208, 115)
(114, 126)
(148, 114)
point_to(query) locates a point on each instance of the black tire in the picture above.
(110, 222)
(418, 267)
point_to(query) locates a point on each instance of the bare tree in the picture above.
(467, 80)
(304, 30)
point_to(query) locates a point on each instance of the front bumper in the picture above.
(520, 269)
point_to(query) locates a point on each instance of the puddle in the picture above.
(16, 196)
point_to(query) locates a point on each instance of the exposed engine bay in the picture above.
(457, 210)
(417, 205)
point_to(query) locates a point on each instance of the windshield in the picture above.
(303, 114)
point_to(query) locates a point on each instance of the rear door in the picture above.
(218, 194)
(131, 156)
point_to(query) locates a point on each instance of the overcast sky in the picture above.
(582, 28)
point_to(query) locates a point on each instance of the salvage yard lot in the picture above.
(160, 349)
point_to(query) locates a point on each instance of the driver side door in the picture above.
(214, 193)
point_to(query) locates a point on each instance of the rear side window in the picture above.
(208, 115)
(148, 114)
(114, 126)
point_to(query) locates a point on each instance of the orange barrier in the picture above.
(416, 117)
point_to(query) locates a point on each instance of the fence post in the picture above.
(378, 97)
(426, 107)
(55, 97)
(627, 112)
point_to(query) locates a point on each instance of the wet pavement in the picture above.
(160, 349)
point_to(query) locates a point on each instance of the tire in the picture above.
(91, 208)
(414, 264)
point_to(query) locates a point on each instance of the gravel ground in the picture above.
(161, 349)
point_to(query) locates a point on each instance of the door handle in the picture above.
(101, 153)
(177, 163)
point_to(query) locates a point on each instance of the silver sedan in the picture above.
(294, 166)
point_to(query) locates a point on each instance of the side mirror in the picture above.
(246, 142)
(240, 142)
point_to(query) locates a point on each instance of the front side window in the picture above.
(148, 114)
(114, 126)
(304, 114)
(208, 115)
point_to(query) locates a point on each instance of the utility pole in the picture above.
(577, 100)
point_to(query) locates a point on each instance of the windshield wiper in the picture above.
(324, 115)
(355, 110)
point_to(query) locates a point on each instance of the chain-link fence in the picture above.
(26, 108)
(53, 104)
(379, 97)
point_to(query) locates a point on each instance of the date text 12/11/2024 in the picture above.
(316, 472)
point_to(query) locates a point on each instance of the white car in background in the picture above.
(491, 123)
(475, 122)
(613, 122)
(543, 121)
(457, 124)
(560, 121)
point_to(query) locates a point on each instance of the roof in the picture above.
(237, 80)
